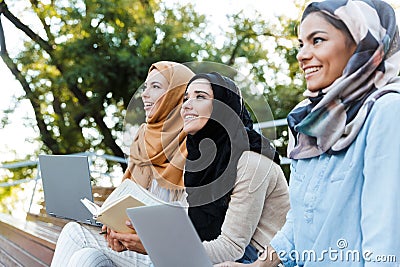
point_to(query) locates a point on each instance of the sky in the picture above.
(13, 137)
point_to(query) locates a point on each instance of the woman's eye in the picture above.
(200, 97)
(301, 45)
(317, 40)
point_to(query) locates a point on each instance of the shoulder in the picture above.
(254, 161)
(256, 169)
(386, 108)
(389, 99)
(380, 128)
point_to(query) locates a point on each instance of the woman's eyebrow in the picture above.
(155, 82)
(201, 92)
(151, 83)
(311, 35)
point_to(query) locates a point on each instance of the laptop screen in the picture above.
(66, 179)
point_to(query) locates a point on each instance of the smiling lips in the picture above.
(310, 70)
(189, 117)
(148, 105)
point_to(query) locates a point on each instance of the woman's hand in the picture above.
(113, 243)
(127, 241)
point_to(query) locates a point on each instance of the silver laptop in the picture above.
(66, 179)
(169, 236)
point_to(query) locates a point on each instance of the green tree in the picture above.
(268, 48)
(81, 69)
(80, 74)
(90, 56)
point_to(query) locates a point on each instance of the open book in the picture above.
(113, 211)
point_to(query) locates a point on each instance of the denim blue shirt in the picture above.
(345, 208)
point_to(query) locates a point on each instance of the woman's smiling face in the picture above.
(324, 51)
(155, 86)
(197, 106)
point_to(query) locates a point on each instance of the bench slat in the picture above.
(32, 242)
(12, 255)
(29, 243)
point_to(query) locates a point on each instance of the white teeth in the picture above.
(310, 70)
(148, 104)
(190, 117)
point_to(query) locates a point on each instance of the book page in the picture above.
(128, 187)
(113, 211)
(92, 207)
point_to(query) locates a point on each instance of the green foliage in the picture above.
(103, 50)
(95, 55)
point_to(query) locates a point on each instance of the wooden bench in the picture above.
(26, 243)
(32, 242)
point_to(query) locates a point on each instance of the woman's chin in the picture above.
(148, 115)
(189, 131)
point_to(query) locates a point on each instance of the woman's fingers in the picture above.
(129, 224)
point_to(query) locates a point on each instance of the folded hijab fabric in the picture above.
(213, 155)
(159, 151)
(330, 119)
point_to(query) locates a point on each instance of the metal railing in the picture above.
(37, 178)
(273, 124)
(29, 163)
(257, 126)
(92, 155)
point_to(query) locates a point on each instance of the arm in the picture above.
(244, 209)
(380, 208)
(283, 241)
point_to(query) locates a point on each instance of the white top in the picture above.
(168, 195)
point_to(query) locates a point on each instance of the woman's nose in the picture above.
(303, 54)
(145, 92)
(187, 104)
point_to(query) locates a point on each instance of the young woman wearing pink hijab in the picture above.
(345, 171)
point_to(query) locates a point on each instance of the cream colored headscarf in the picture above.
(159, 149)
